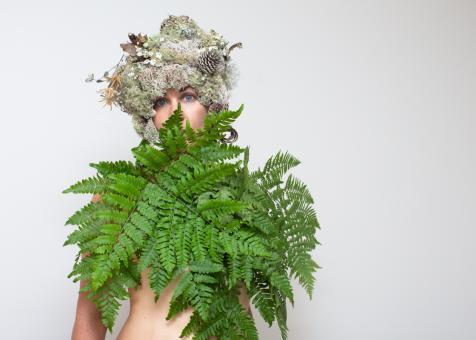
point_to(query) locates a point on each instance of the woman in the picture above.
(182, 63)
(147, 318)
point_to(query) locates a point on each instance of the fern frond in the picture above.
(147, 210)
(216, 124)
(176, 307)
(183, 242)
(112, 215)
(212, 243)
(150, 157)
(262, 298)
(193, 325)
(105, 168)
(102, 270)
(117, 200)
(189, 209)
(212, 328)
(199, 242)
(142, 226)
(172, 136)
(234, 270)
(201, 295)
(108, 298)
(302, 267)
(281, 313)
(252, 245)
(84, 215)
(82, 235)
(214, 208)
(297, 190)
(186, 281)
(128, 185)
(165, 247)
(245, 325)
(280, 281)
(148, 253)
(216, 152)
(206, 178)
(274, 169)
(205, 267)
(91, 185)
(159, 278)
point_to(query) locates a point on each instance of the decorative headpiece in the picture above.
(181, 54)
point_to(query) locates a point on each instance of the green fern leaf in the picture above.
(205, 267)
(159, 278)
(190, 209)
(128, 185)
(117, 200)
(92, 185)
(84, 215)
(150, 157)
(105, 168)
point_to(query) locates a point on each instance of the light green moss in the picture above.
(170, 59)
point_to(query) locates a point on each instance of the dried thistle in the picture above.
(108, 96)
(115, 81)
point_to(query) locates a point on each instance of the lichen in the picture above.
(178, 56)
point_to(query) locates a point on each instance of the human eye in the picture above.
(190, 96)
(158, 102)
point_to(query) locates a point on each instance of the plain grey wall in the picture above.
(376, 98)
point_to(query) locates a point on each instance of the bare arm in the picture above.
(244, 299)
(87, 325)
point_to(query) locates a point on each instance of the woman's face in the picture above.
(192, 109)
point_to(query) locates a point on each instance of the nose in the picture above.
(174, 105)
(174, 102)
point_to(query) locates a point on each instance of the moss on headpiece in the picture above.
(181, 54)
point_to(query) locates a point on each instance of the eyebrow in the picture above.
(183, 89)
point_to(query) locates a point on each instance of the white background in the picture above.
(376, 98)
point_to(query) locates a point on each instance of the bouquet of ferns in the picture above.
(188, 207)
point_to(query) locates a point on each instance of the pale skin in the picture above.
(147, 319)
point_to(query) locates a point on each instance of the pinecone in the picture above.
(209, 61)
